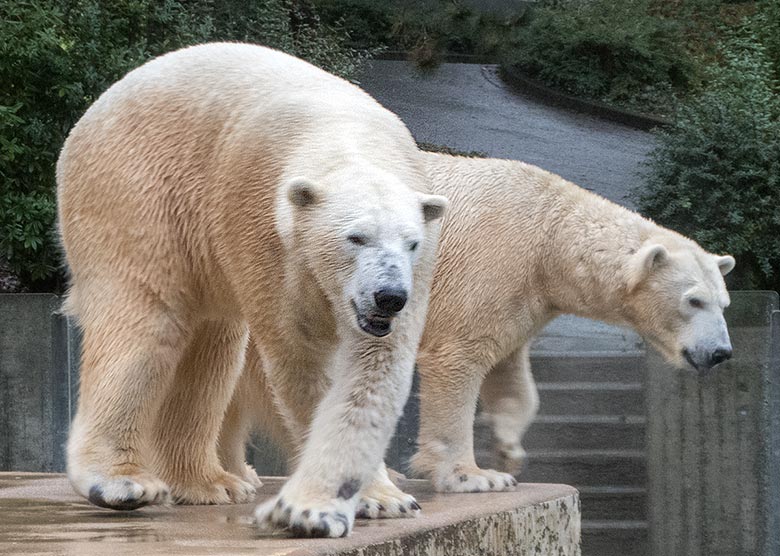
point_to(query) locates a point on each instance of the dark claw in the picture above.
(343, 519)
(415, 505)
(325, 530)
(491, 485)
(305, 514)
(464, 478)
(402, 509)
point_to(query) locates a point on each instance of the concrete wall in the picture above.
(712, 443)
(38, 380)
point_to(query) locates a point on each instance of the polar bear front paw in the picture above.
(474, 479)
(385, 500)
(333, 518)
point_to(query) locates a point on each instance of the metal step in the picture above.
(594, 432)
(586, 467)
(613, 503)
(614, 538)
(591, 398)
(585, 367)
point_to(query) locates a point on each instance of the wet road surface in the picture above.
(468, 107)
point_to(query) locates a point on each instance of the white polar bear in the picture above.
(518, 247)
(229, 188)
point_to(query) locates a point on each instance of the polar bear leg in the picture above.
(350, 431)
(251, 408)
(449, 387)
(510, 401)
(187, 427)
(130, 349)
(235, 431)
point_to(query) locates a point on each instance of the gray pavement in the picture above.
(468, 107)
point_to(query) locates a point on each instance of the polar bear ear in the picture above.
(303, 193)
(726, 263)
(643, 262)
(433, 206)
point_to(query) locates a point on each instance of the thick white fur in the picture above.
(208, 195)
(518, 247)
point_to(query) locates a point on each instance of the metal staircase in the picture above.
(590, 433)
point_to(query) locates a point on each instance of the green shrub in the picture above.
(57, 57)
(293, 27)
(601, 49)
(715, 175)
(426, 30)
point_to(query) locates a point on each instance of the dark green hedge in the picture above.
(715, 175)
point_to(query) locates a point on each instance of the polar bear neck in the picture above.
(591, 242)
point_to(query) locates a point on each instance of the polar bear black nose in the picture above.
(390, 300)
(719, 356)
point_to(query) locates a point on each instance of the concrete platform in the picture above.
(40, 514)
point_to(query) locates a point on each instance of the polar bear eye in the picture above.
(357, 239)
(696, 303)
(413, 245)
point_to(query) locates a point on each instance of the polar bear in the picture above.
(520, 246)
(225, 189)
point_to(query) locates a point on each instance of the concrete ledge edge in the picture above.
(538, 90)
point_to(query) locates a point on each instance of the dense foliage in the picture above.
(715, 175)
(427, 29)
(56, 57)
(619, 52)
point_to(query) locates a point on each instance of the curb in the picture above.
(447, 58)
(539, 91)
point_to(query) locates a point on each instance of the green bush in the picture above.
(715, 175)
(613, 51)
(56, 57)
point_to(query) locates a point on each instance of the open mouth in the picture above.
(375, 324)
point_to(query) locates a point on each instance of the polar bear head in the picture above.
(676, 297)
(362, 234)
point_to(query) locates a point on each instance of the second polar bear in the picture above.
(518, 247)
(225, 189)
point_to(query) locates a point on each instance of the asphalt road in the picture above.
(468, 107)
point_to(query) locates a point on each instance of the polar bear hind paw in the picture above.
(129, 492)
(475, 480)
(224, 488)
